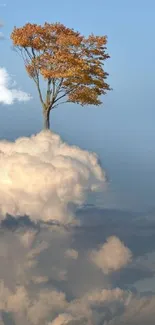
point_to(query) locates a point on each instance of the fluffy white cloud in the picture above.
(45, 178)
(111, 256)
(8, 94)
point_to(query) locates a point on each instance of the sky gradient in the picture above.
(122, 130)
(69, 255)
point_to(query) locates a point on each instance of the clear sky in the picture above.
(122, 130)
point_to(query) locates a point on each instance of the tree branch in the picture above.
(66, 93)
(48, 92)
(37, 81)
(58, 87)
(66, 101)
(52, 91)
(40, 94)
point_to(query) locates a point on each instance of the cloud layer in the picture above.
(32, 290)
(9, 94)
(52, 273)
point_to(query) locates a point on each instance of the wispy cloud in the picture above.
(8, 94)
(1, 34)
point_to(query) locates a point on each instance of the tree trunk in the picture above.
(46, 117)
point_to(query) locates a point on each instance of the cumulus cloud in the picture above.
(36, 308)
(8, 94)
(111, 256)
(44, 178)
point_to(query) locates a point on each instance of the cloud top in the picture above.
(45, 178)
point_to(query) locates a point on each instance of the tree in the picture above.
(70, 64)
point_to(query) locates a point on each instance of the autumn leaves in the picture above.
(71, 64)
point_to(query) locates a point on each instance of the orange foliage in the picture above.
(71, 63)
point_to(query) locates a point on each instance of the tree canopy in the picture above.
(71, 64)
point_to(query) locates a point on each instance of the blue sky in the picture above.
(41, 177)
(122, 131)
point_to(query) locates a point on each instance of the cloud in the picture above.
(48, 302)
(99, 305)
(44, 178)
(35, 307)
(1, 36)
(9, 95)
(28, 238)
(47, 276)
(111, 256)
(69, 319)
(107, 295)
(72, 253)
(29, 293)
(139, 311)
(62, 319)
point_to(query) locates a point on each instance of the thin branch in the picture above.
(28, 53)
(40, 94)
(37, 81)
(66, 93)
(58, 87)
(66, 101)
